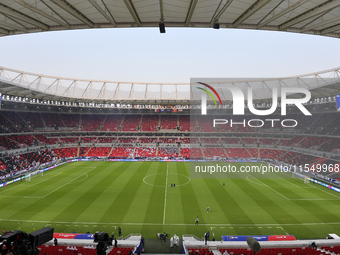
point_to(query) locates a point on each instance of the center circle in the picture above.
(163, 186)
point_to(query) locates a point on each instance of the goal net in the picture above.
(34, 174)
(301, 177)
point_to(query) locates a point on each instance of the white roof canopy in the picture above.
(23, 84)
(319, 17)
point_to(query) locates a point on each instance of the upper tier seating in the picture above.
(33, 119)
(168, 122)
(71, 120)
(92, 122)
(150, 123)
(112, 122)
(52, 120)
(184, 122)
(131, 122)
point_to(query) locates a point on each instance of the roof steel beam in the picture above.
(161, 10)
(330, 29)
(250, 11)
(73, 11)
(283, 12)
(95, 5)
(42, 13)
(310, 13)
(190, 12)
(5, 24)
(132, 11)
(219, 14)
(4, 31)
(17, 15)
(324, 23)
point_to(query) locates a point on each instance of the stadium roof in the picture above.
(23, 84)
(319, 17)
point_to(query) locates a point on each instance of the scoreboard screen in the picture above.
(338, 102)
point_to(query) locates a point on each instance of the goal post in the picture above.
(34, 174)
(301, 177)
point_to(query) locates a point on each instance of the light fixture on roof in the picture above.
(216, 25)
(162, 28)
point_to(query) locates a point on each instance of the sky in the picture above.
(145, 55)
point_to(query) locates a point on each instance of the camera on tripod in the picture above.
(103, 240)
(21, 243)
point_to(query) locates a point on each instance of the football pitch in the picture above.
(137, 196)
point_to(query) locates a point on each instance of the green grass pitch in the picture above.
(101, 196)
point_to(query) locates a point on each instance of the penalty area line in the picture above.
(68, 182)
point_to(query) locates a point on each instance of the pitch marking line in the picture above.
(312, 199)
(293, 199)
(68, 183)
(81, 180)
(261, 184)
(179, 224)
(313, 186)
(271, 188)
(31, 185)
(166, 189)
(294, 183)
(10, 188)
(21, 196)
(159, 186)
(52, 190)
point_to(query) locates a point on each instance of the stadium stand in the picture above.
(147, 140)
(121, 152)
(275, 251)
(66, 152)
(8, 143)
(169, 122)
(150, 123)
(131, 122)
(52, 120)
(99, 152)
(238, 153)
(84, 250)
(185, 152)
(205, 123)
(270, 154)
(214, 152)
(141, 152)
(14, 122)
(184, 122)
(92, 122)
(33, 119)
(25, 140)
(70, 120)
(112, 122)
(168, 152)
